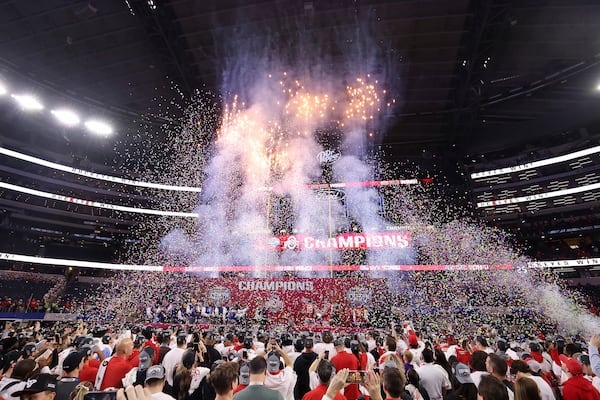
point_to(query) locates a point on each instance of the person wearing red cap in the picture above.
(576, 387)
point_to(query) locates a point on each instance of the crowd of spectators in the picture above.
(64, 361)
(29, 292)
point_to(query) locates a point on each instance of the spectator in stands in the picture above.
(224, 379)
(72, 365)
(497, 367)
(226, 346)
(520, 369)
(113, 369)
(16, 380)
(392, 383)
(165, 341)
(155, 382)
(440, 359)
(38, 387)
(576, 387)
(244, 378)
(189, 375)
(325, 371)
(389, 347)
(326, 345)
(148, 334)
(301, 366)
(280, 375)
(89, 371)
(138, 342)
(172, 359)
(298, 348)
(491, 388)
(477, 365)
(434, 379)
(526, 389)
(584, 359)
(413, 385)
(464, 388)
(345, 360)
(481, 344)
(211, 354)
(256, 388)
(502, 346)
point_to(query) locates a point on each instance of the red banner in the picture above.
(345, 241)
(298, 301)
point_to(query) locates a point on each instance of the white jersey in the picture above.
(545, 389)
(283, 382)
(321, 347)
(170, 362)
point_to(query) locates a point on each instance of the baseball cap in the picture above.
(155, 372)
(244, 374)
(572, 364)
(273, 363)
(72, 361)
(38, 383)
(145, 360)
(462, 373)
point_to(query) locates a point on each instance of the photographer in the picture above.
(280, 376)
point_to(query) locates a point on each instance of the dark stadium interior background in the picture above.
(486, 84)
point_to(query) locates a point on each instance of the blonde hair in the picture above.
(408, 356)
(80, 390)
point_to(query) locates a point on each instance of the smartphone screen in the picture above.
(112, 395)
(356, 377)
(326, 355)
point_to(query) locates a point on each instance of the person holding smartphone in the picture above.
(345, 360)
(301, 366)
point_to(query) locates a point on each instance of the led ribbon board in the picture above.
(90, 203)
(94, 175)
(536, 164)
(538, 196)
(250, 268)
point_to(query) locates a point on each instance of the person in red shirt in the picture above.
(342, 360)
(134, 358)
(576, 387)
(118, 366)
(325, 372)
(90, 366)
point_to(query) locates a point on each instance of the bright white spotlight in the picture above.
(66, 117)
(28, 102)
(598, 87)
(99, 127)
(3, 89)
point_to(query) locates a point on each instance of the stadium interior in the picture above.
(497, 108)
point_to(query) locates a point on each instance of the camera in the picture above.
(357, 377)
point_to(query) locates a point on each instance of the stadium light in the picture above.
(3, 89)
(28, 102)
(66, 117)
(99, 127)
